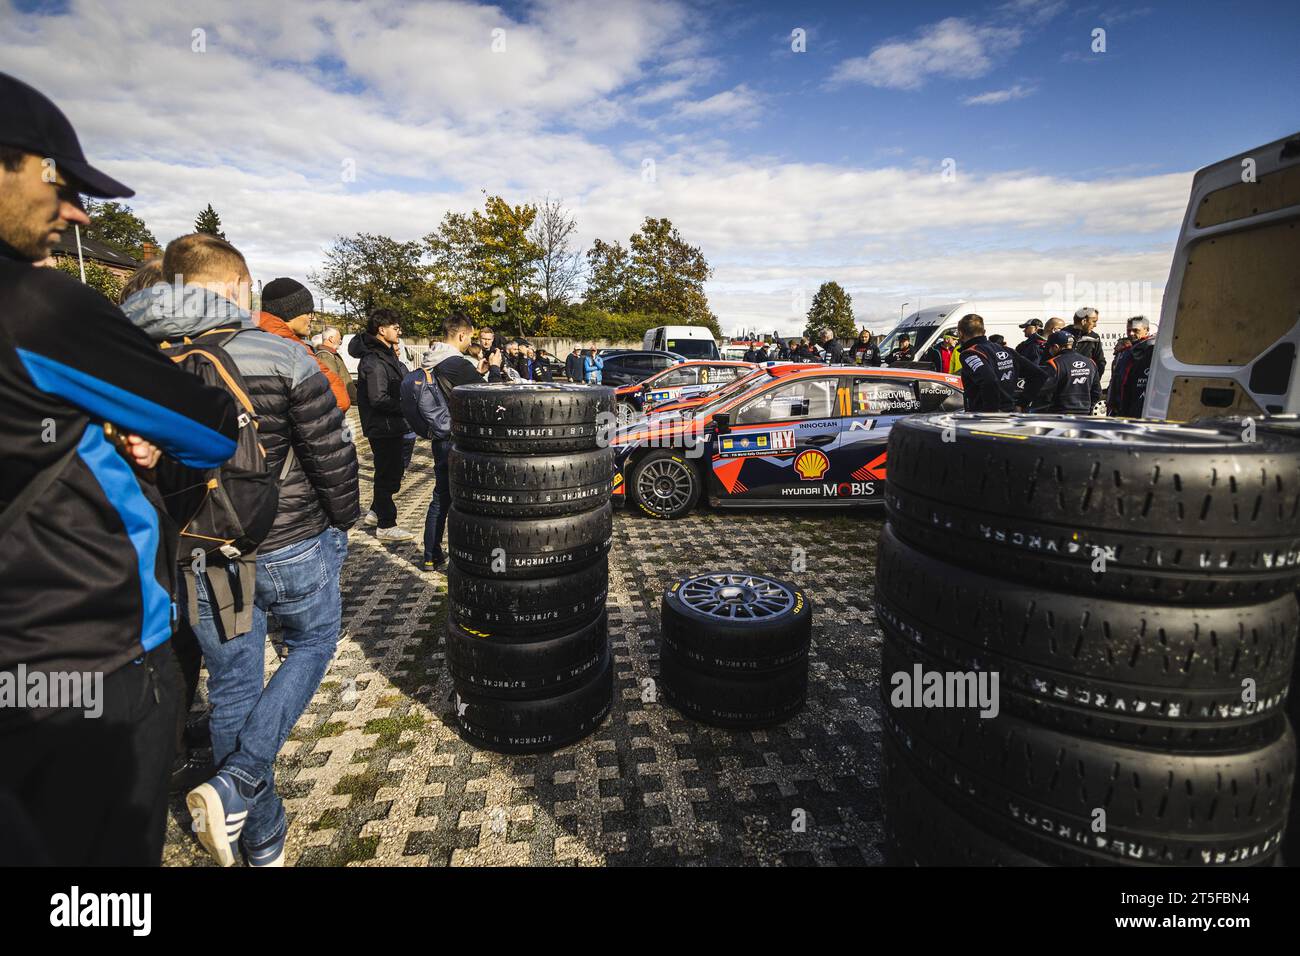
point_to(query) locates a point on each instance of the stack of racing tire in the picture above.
(1131, 585)
(734, 649)
(528, 538)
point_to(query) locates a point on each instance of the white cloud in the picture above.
(950, 48)
(993, 97)
(738, 101)
(260, 124)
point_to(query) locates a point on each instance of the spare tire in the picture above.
(532, 606)
(1136, 509)
(528, 547)
(530, 486)
(922, 830)
(535, 726)
(528, 418)
(1040, 790)
(1168, 676)
(732, 622)
(736, 701)
(525, 668)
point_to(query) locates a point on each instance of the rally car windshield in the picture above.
(722, 395)
(918, 334)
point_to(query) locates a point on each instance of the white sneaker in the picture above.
(371, 519)
(394, 534)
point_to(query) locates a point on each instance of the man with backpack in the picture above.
(311, 461)
(425, 396)
(88, 563)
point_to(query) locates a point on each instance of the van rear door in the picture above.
(1230, 323)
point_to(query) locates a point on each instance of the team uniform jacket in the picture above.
(1088, 344)
(1033, 349)
(990, 373)
(1073, 384)
(294, 404)
(87, 574)
(1128, 378)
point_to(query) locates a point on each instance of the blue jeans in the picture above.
(435, 519)
(251, 718)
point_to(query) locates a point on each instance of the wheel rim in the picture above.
(625, 413)
(1082, 428)
(736, 597)
(664, 485)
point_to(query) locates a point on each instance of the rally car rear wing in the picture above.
(1230, 325)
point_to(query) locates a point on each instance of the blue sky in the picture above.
(788, 168)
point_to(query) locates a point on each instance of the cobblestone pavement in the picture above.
(375, 773)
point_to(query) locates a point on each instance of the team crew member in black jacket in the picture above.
(989, 372)
(1128, 377)
(1034, 347)
(1073, 385)
(207, 286)
(379, 388)
(87, 568)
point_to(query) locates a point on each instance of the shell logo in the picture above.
(811, 464)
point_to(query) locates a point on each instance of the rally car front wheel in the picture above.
(665, 484)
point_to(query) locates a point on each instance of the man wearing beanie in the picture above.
(286, 311)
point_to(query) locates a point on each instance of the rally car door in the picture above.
(782, 438)
(668, 386)
(874, 404)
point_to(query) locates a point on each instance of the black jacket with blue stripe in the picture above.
(87, 572)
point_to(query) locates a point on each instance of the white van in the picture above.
(1230, 327)
(691, 341)
(1001, 317)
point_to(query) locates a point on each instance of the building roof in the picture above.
(93, 249)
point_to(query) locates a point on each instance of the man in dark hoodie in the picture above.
(379, 402)
(88, 568)
(206, 290)
(448, 367)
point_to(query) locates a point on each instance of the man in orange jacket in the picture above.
(287, 311)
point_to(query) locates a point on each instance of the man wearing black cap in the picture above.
(287, 312)
(1073, 385)
(87, 570)
(1035, 344)
(990, 372)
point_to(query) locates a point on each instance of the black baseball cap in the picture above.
(1032, 324)
(30, 121)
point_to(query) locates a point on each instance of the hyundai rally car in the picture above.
(685, 380)
(785, 435)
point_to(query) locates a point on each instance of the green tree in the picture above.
(208, 221)
(98, 278)
(658, 274)
(116, 226)
(488, 263)
(607, 275)
(366, 272)
(832, 308)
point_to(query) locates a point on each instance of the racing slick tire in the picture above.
(922, 830)
(529, 418)
(528, 547)
(737, 701)
(733, 623)
(1040, 790)
(536, 486)
(664, 484)
(535, 606)
(1151, 511)
(525, 668)
(1164, 676)
(538, 725)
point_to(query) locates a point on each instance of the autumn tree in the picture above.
(365, 272)
(559, 263)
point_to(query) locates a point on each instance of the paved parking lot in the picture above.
(375, 772)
